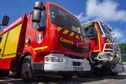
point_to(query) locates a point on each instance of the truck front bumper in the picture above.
(105, 56)
(59, 62)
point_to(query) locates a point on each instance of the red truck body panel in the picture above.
(6, 59)
(101, 41)
(40, 43)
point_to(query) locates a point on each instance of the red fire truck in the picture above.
(49, 40)
(105, 52)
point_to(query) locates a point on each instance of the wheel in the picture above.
(114, 73)
(4, 73)
(66, 75)
(102, 71)
(99, 72)
(27, 72)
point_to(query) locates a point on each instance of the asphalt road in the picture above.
(120, 79)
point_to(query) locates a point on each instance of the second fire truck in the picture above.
(105, 52)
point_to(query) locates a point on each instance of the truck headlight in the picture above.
(53, 59)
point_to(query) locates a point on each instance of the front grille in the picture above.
(76, 63)
(73, 57)
(74, 48)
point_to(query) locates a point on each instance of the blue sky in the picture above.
(112, 12)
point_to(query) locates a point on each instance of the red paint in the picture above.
(50, 38)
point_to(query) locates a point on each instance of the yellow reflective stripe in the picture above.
(65, 31)
(59, 29)
(95, 50)
(40, 48)
(72, 34)
(7, 57)
(85, 39)
(77, 37)
(99, 42)
(82, 38)
(86, 25)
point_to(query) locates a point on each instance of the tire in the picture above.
(99, 72)
(114, 73)
(4, 73)
(27, 72)
(104, 71)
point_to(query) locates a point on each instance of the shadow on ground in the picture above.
(59, 80)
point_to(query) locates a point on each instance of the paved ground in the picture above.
(120, 79)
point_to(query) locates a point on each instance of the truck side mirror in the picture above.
(36, 17)
(39, 6)
(5, 20)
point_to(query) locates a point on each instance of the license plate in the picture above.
(78, 68)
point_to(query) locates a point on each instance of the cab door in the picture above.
(91, 31)
(2, 43)
(3, 39)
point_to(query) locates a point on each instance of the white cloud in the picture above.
(82, 18)
(119, 35)
(105, 10)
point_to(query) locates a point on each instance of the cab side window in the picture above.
(90, 31)
(106, 30)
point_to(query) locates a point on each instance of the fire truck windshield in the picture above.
(64, 19)
(107, 31)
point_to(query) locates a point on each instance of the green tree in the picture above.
(123, 48)
(123, 51)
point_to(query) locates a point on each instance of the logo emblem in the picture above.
(39, 38)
